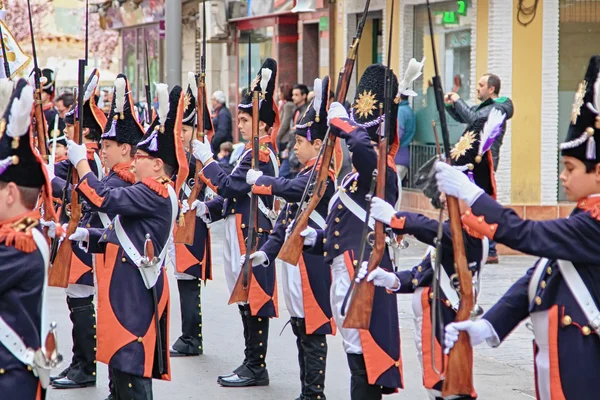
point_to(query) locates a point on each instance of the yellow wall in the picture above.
(526, 123)
(397, 37)
(340, 50)
(482, 39)
(365, 50)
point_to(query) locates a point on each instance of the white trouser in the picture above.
(292, 289)
(402, 171)
(542, 359)
(339, 286)
(231, 253)
(77, 291)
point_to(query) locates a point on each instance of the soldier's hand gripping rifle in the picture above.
(40, 120)
(317, 182)
(61, 264)
(242, 285)
(185, 233)
(459, 371)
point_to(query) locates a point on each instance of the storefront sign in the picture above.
(265, 7)
(323, 24)
(146, 12)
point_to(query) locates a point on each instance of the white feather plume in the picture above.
(318, 99)
(162, 91)
(119, 95)
(597, 94)
(20, 113)
(6, 88)
(413, 71)
(265, 77)
(491, 129)
(193, 84)
(89, 91)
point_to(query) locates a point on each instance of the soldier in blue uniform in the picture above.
(306, 285)
(465, 157)
(560, 293)
(57, 139)
(48, 86)
(233, 204)
(80, 291)
(24, 251)
(193, 264)
(133, 291)
(373, 355)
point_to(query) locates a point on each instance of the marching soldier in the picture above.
(80, 290)
(560, 292)
(133, 291)
(465, 156)
(193, 264)
(374, 355)
(233, 204)
(48, 92)
(24, 254)
(57, 140)
(306, 285)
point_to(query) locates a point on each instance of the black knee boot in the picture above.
(254, 372)
(83, 373)
(130, 387)
(296, 325)
(75, 358)
(244, 313)
(190, 341)
(359, 384)
(314, 349)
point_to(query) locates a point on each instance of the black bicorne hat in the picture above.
(313, 123)
(367, 107)
(49, 81)
(93, 117)
(265, 83)
(189, 102)
(124, 126)
(582, 142)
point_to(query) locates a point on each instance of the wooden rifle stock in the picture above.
(242, 285)
(185, 233)
(40, 125)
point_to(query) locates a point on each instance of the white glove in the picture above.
(310, 236)
(50, 171)
(202, 151)
(252, 176)
(80, 235)
(76, 152)
(185, 206)
(257, 258)
(200, 208)
(379, 277)
(479, 331)
(336, 110)
(455, 183)
(382, 211)
(51, 225)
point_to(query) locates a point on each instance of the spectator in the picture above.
(224, 156)
(221, 120)
(310, 97)
(299, 95)
(286, 112)
(488, 91)
(407, 127)
(107, 96)
(63, 103)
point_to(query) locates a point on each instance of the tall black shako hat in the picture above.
(265, 83)
(189, 102)
(163, 137)
(582, 142)
(123, 126)
(313, 123)
(20, 162)
(365, 110)
(93, 117)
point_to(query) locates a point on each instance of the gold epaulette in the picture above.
(18, 234)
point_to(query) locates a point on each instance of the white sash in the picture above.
(99, 166)
(104, 219)
(317, 219)
(149, 275)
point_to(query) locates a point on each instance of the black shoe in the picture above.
(242, 381)
(229, 375)
(66, 383)
(175, 353)
(61, 375)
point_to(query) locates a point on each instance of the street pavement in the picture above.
(502, 373)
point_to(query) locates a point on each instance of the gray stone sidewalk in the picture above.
(502, 373)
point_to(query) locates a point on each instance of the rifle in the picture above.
(361, 303)
(40, 120)
(317, 182)
(87, 26)
(459, 371)
(185, 233)
(147, 89)
(6, 63)
(59, 273)
(242, 285)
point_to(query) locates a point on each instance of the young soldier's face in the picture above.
(69, 130)
(61, 151)
(305, 150)
(576, 181)
(186, 136)
(113, 153)
(245, 125)
(143, 165)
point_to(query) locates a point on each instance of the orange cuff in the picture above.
(208, 182)
(262, 190)
(90, 193)
(398, 223)
(343, 125)
(478, 225)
